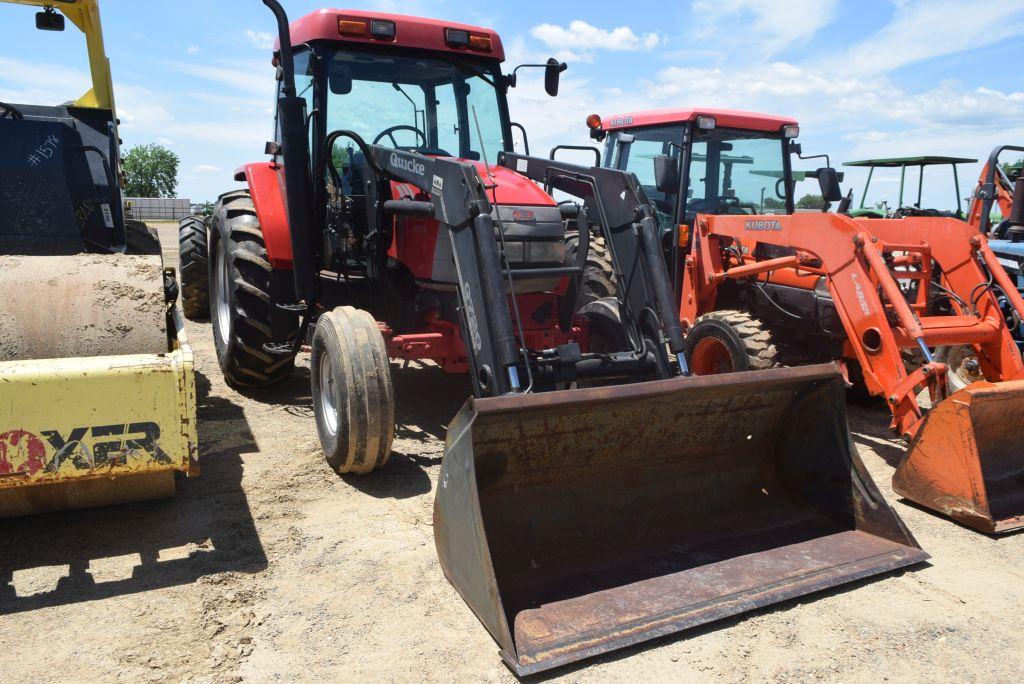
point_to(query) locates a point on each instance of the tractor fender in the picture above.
(266, 183)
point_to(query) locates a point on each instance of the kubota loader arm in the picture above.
(858, 266)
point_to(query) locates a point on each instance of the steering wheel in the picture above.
(9, 112)
(390, 133)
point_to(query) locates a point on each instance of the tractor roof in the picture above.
(897, 162)
(411, 32)
(726, 118)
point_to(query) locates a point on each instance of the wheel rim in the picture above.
(711, 357)
(962, 363)
(328, 408)
(222, 278)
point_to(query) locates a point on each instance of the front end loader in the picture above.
(591, 496)
(883, 297)
(97, 394)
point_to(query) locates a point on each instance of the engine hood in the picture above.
(511, 189)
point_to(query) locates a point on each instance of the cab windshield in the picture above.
(736, 172)
(426, 104)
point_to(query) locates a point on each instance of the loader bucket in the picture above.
(967, 461)
(578, 522)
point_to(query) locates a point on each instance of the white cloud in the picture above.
(580, 40)
(767, 26)
(193, 50)
(924, 29)
(207, 168)
(261, 39)
(253, 77)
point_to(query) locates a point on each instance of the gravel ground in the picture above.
(271, 567)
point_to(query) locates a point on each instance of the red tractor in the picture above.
(587, 489)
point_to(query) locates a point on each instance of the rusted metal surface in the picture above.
(967, 460)
(575, 523)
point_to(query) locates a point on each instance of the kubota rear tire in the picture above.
(194, 267)
(598, 276)
(353, 398)
(729, 342)
(245, 321)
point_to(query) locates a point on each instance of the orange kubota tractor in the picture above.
(762, 284)
(590, 496)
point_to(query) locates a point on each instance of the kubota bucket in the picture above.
(578, 522)
(967, 461)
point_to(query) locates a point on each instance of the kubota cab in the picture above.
(885, 298)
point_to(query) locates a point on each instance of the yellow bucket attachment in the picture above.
(967, 461)
(578, 522)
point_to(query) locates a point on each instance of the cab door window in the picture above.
(638, 158)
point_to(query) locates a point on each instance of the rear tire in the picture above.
(353, 398)
(245, 320)
(598, 277)
(141, 239)
(194, 267)
(729, 342)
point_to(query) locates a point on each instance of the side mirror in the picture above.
(49, 20)
(828, 180)
(666, 174)
(339, 78)
(552, 74)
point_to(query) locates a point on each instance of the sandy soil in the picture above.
(270, 567)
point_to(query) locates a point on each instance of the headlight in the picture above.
(546, 252)
(515, 251)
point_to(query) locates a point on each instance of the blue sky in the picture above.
(866, 78)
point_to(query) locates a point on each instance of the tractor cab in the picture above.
(926, 165)
(418, 86)
(695, 162)
(708, 161)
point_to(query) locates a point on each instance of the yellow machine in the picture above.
(97, 390)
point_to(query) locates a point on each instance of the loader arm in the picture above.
(459, 202)
(878, 320)
(617, 201)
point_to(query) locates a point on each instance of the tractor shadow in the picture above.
(206, 529)
(426, 400)
(869, 423)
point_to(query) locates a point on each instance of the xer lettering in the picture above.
(80, 448)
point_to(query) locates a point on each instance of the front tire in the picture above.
(962, 366)
(353, 397)
(194, 267)
(252, 337)
(729, 342)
